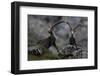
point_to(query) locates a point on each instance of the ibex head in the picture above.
(50, 29)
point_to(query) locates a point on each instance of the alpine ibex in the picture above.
(72, 40)
(49, 41)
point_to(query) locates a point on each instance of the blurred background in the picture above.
(38, 26)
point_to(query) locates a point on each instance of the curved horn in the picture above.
(76, 27)
(69, 26)
(79, 25)
(52, 27)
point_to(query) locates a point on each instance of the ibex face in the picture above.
(50, 32)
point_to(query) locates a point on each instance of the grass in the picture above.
(46, 56)
(42, 57)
